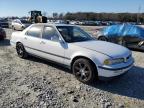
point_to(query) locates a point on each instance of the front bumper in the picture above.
(109, 73)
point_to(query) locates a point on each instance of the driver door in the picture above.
(51, 46)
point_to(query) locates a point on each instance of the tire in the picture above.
(13, 27)
(122, 42)
(102, 38)
(21, 51)
(84, 71)
(22, 28)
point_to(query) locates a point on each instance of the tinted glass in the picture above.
(25, 22)
(50, 33)
(73, 34)
(34, 31)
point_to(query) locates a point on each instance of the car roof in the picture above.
(52, 24)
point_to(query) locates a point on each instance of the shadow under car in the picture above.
(5, 42)
(130, 84)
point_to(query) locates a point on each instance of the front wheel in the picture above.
(13, 27)
(22, 28)
(21, 51)
(84, 70)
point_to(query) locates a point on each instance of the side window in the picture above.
(34, 31)
(50, 33)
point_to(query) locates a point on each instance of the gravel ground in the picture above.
(36, 83)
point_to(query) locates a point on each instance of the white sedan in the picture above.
(71, 46)
(20, 24)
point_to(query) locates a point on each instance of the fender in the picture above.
(89, 55)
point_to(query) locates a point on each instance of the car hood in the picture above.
(107, 48)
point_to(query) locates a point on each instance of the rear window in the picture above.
(34, 31)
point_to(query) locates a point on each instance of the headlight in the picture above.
(113, 61)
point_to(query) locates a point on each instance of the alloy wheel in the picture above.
(82, 71)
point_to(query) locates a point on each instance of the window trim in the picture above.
(61, 37)
(71, 26)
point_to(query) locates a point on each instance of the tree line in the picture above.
(122, 17)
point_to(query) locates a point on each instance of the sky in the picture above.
(22, 7)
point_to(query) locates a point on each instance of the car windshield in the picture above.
(73, 34)
(25, 22)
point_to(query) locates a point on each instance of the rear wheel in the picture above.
(84, 70)
(124, 43)
(102, 38)
(13, 27)
(21, 50)
(22, 28)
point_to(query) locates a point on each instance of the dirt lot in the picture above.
(35, 83)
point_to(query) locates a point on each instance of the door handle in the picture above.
(42, 42)
(25, 38)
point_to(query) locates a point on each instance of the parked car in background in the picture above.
(4, 23)
(74, 22)
(81, 22)
(18, 24)
(128, 35)
(61, 22)
(89, 23)
(98, 23)
(2, 33)
(71, 46)
(104, 23)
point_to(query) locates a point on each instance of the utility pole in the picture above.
(138, 14)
